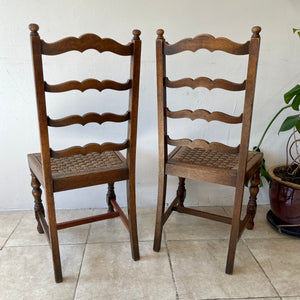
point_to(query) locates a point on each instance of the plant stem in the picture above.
(266, 130)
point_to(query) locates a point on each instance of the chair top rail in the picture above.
(86, 42)
(209, 42)
(87, 84)
(89, 148)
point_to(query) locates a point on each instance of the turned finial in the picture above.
(34, 29)
(136, 34)
(160, 33)
(256, 30)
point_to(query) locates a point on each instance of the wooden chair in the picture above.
(199, 160)
(93, 164)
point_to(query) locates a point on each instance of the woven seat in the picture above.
(82, 164)
(199, 159)
(91, 164)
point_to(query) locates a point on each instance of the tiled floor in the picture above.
(97, 263)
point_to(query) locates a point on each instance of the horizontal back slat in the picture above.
(208, 42)
(87, 84)
(205, 82)
(89, 148)
(85, 42)
(203, 144)
(204, 114)
(88, 118)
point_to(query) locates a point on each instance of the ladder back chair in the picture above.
(92, 164)
(198, 159)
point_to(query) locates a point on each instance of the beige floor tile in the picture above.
(185, 227)
(117, 276)
(261, 229)
(258, 298)
(26, 233)
(113, 230)
(281, 262)
(27, 272)
(8, 223)
(291, 298)
(199, 271)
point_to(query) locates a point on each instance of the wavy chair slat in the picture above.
(87, 84)
(203, 144)
(205, 115)
(89, 148)
(206, 41)
(85, 42)
(88, 118)
(206, 83)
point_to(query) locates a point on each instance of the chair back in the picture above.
(163, 49)
(81, 44)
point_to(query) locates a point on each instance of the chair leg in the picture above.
(38, 205)
(251, 208)
(53, 236)
(110, 195)
(161, 200)
(181, 191)
(235, 227)
(131, 204)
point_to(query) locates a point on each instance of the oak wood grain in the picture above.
(85, 42)
(87, 84)
(89, 148)
(205, 115)
(88, 118)
(208, 42)
(205, 82)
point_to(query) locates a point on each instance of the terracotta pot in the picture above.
(284, 198)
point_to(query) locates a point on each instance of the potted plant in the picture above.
(284, 187)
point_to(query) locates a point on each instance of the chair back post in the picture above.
(248, 104)
(161, 98)
(133, 99)
(41, 101)
(45, 150)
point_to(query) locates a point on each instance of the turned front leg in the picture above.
(251, 208)
(181, 191)
(109, 196)
(38, 205)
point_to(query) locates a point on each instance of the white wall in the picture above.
(278, 71)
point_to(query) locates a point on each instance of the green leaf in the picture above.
(288, 96)
(296, 102)
(298, 33)
(294, 30)
(298, 126)
(289, 123)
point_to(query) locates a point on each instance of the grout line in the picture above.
(171, 266)
(262, 269)
(13, 231)
(79, 272)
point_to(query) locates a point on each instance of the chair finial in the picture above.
(34, 29)
(160, 33)
(256, 30)
(136, 34)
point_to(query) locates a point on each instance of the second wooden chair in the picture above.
(198, 159)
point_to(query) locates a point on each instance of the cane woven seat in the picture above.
(82, 164)
(209, 159)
